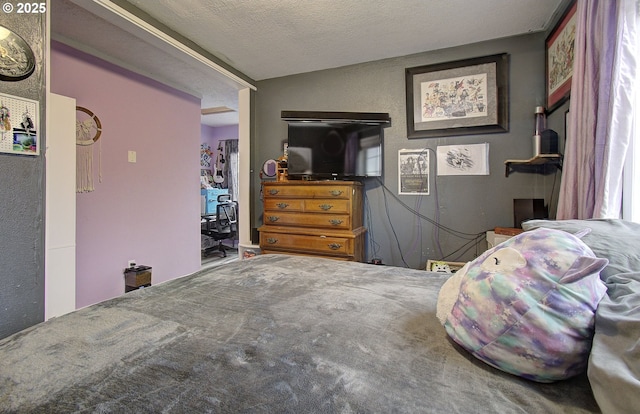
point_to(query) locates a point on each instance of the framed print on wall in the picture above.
(472, 159)
(463, 97)
(413, 171)
(19, 125)
(559, 58)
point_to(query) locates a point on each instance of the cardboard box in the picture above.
(137, 276)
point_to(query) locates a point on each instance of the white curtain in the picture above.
(601, 109)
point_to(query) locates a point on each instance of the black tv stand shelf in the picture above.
(539, 164)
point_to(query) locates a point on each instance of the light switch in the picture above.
(132, 156)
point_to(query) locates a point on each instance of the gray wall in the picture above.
(466, 204)
(22, 198)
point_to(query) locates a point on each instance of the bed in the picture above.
(278, 333)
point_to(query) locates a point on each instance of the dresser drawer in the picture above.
(309, 206)
(312, 254)
(301, 242)
(327, 206)
(274, 204)
(332, 221)
(307, 191)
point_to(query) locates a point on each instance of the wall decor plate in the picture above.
(269, 168)
(17, 61)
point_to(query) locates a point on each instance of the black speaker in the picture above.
(549, 142)
(526, 209)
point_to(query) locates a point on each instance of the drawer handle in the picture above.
(273, 219)
(326, 207)
(272, 240)
(335, 222)
(336, 193)
(273, 191)
(282, 205)
(334, 246)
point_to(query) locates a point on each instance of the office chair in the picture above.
(225, 225)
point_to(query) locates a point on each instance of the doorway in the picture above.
(219, 183)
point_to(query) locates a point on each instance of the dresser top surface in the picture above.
(315, 183)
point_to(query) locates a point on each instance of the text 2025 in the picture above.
(31, 8)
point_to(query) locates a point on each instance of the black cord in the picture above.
(473, 238)
(393, 230)
(374, 247)
(470, 244)
(422, 216)
(553, 190)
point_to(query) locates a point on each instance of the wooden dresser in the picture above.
(318, 218)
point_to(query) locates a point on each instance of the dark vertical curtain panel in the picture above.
(230, 167)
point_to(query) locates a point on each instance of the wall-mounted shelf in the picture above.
(539, 164)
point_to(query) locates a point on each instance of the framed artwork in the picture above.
(413, 171)
(463, 97)
(19, 125)
(470, 159)
(559, 58)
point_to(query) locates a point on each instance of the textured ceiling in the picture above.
(265, 39)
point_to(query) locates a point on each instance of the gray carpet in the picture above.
(270, 334)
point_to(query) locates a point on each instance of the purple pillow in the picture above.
(527, 305)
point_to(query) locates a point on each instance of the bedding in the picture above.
(273, 333)
(614, 362)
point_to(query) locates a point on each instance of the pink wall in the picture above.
(149, 210)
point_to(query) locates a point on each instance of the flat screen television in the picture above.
(334, 149)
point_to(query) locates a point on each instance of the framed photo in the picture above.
(458, 98)
(19, 123)
(413, 171)
(559, 58)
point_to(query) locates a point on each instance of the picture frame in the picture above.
(413, 171)
(469, 159)
(559, 59)
(462, 97)
(19, 125)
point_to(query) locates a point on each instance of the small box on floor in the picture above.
(247, 251)
(137, 277)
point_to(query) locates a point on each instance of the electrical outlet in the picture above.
(132, 263)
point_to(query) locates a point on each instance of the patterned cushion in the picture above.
(527, 305)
